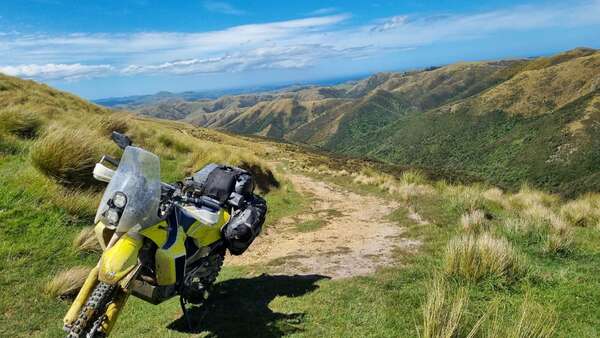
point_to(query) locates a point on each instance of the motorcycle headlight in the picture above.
(119, 200)
(112, 216)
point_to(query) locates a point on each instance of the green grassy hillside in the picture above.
(49, 142)
(538, 114)
(503, 135)
(483, 262)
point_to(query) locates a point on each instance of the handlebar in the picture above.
(200, 201)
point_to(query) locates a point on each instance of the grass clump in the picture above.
(263, 176)
(173, 143)
(86, 241)
(20, 123)
(583, 212)
(114, 122)
(536, 321)
(9, 144)
(474, 221)
(412, 177)
(533, 321)
(478, 257)
(67, 283)
(67, 155)
(442, 311)
(559, 241)
(462, 198)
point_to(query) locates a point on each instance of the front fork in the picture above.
(118, 265)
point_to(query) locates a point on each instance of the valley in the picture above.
(539, 115)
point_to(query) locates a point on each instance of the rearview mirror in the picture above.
(121, 140)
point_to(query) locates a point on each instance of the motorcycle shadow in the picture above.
(240, 307)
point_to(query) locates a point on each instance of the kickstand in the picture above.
(182, 302)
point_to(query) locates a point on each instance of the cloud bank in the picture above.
(277, 45)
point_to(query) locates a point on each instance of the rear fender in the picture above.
(120, 259)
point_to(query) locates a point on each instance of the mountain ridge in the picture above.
(371, 117)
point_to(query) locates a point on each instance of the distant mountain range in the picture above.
(137, 101)
(510, 121)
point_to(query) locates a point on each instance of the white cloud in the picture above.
(53, 71)
(285, 44)
(324, 11)
(222, 7)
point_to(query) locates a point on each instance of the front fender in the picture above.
(118, 260)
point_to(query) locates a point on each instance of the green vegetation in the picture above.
(309, 225)
(491, 262)
(502, 280)
(505, 122)
(49, 142)
(68, 155)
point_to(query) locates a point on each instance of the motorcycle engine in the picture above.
(201, 276)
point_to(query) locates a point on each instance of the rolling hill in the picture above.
(539, 115)
(347, 250)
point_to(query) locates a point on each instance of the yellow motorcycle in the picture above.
(158, 241)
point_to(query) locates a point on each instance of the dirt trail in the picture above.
(354, 239)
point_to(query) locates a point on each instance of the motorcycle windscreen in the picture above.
(138, 177)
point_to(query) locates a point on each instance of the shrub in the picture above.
(67, 283)
(20, 123)
(478, 257)
(67, 155)
(86, 241)
(442, 311)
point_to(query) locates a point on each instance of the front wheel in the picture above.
(92, 319)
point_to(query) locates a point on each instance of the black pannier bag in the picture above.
(233, 187)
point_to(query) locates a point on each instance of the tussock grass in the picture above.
(108, 123)
(559, 242)
(410, 184)
(536, 321)
(20, 123)
(528, 197)
(412, 177)
(497, 196)
(478, 257)
(443, 310)
(86, 241)
(264, 176)
(461, 198)
(474, 221)
(78, 202)
(584, 212)
(555, 236)
(67, 155)
(9, 144)
(67, 283)
(533, 321)
(174, 143)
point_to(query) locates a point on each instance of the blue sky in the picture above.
(107, 48)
